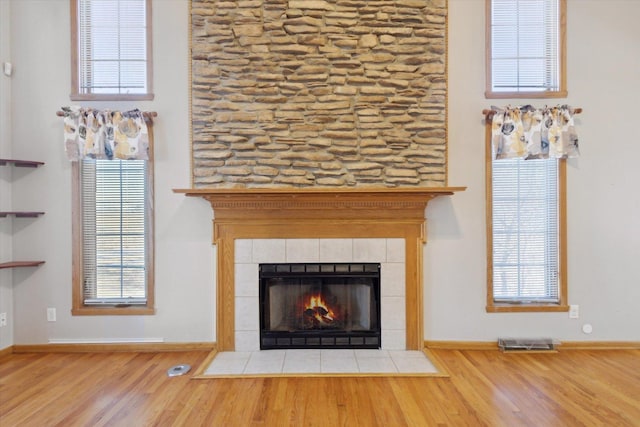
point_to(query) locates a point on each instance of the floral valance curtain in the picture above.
(105, 134)
(533, 133)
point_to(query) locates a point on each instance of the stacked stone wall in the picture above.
(322, 93)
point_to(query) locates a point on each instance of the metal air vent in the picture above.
(526, 344)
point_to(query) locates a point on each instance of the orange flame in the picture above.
(320, 310)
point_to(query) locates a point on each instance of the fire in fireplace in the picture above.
(320, 305)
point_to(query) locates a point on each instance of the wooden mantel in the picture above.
(285, 213)
(366, 203)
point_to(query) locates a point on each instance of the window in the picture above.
(526, 234)
(111, 50)
(526, 49)
(113, 247)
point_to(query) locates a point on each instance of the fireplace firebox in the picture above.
(319, 305)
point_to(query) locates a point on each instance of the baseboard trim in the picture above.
(116, 347)
(563, 345)
(6, 351)
(461, 345)
(599, 345)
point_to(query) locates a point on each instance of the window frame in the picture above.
(562, 91)
(519, 306)
(78, 305)
(76, 95)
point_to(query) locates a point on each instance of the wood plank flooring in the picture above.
(485, 388)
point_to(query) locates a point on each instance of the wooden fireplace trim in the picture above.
(261, 213)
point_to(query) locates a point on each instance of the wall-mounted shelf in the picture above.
(23, 214)
(20, 163)
(20, 214)
(17, 264)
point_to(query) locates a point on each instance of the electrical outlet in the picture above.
(51, 314)
(7, 68)
(574, 311)
(3, 319)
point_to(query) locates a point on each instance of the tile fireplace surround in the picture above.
(249, 253)
(296, 225)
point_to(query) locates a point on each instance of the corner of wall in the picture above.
(6, 275)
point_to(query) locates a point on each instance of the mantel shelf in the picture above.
(22, 214)
(319, 203)
(330, 192)
(17, 264)
(21, 163)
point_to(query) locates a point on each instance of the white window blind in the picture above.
(525, 46)
(114, 231)
(112, 47)
(525, 204)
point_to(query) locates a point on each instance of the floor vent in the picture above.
(178, 370)
(526, 345)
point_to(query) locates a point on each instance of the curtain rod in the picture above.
(147, 114)
(488, 114)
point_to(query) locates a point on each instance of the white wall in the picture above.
(184, 255)
(604, 239)
(6, 275)
(603, 199)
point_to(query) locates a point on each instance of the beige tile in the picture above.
(392, 279)
(243, 250)
(369, 250)
(297, 364)
(337, 354)
(247, 340)
(407, 354)
(369, 354)
(228, 363)
(246, 280)
(233, 355)
(392, 313)
(338, 365)
(320, 361)
(394, 339)
(246, 314)
(259, 363)
(267, 366)
(336, 250)
(268, 355)
(302, 250)
(396, 250)
(302, 354)
(414, 365)
(268, 250)
(376, 365)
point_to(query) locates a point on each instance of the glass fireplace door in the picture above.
(320, 305)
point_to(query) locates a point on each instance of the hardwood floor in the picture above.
(485, 388)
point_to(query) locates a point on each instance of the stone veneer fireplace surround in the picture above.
(319, 93)
(284, 213)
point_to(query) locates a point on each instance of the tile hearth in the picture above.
(312, 362)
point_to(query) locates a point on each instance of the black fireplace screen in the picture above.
(324, 305)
